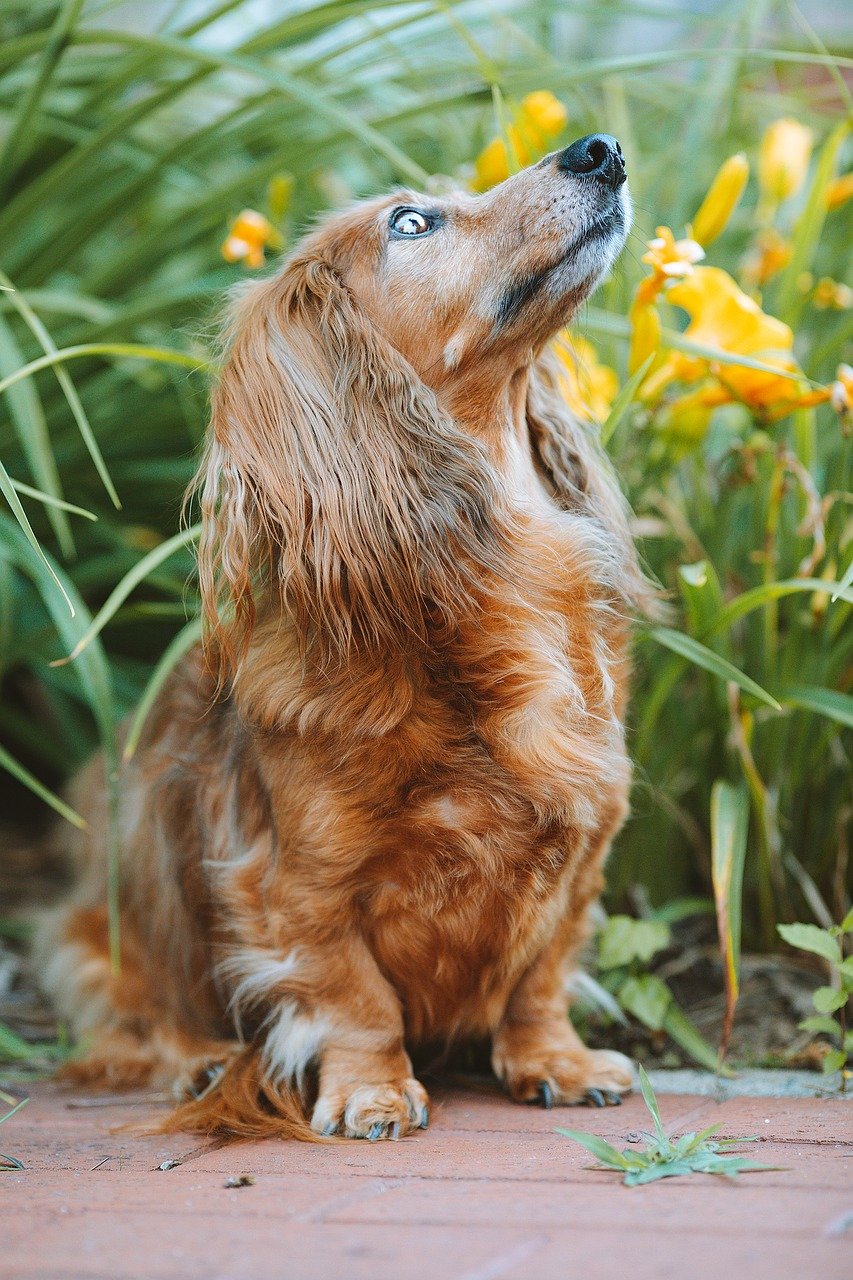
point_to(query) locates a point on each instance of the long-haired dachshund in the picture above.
(372, 817)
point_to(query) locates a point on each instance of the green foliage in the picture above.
(125, 156)
(665, 1157)
(827, 943)
(11, 1162)
(625, 947)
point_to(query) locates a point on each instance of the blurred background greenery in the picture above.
(132, 137)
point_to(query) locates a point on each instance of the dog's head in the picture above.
(349, 474)
(464, 280)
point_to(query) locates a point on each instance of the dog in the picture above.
(369, 816)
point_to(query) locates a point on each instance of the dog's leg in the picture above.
(536, 1051)
(127, 1038)
(341, 1014)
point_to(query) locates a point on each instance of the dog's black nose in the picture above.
(596, 156)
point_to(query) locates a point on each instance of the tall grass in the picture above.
(126, 147)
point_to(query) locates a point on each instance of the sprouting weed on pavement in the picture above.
(665, 1157)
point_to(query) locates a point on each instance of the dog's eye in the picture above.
(408, 222)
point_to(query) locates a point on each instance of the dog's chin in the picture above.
(592, 253)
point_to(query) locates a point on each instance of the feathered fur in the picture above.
(375, 818)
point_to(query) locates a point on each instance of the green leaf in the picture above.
(827, 702)
(624, 939)
(11, 765)
(132, 579)
(729, 825)
(808, 937)
(624, 400)
(820, 1022)
(13, 1049)
(598, 1147)
(809, 226)
(768, 592)
(846, 925)
(828, 999)
(647, 998)
(677, 1025)
(182, 643)
(651, 1103)
(833, 1061)
(8, 491)
(703, 657)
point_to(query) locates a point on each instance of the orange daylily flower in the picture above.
(588, 386)
(724, 317)
(670, 259)
(249, 234)
(722, 199)
(783, 159)
(539, 119)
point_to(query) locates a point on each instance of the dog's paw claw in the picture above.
(612, 1099)
(424, 1122)
(330, 1128)
(545, 1095)
(595, 1098)
(375, 1132)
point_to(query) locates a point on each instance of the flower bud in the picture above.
(722, 199)
(783, 159)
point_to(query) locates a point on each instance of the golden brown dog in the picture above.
(377, 820)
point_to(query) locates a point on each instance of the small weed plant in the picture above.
(665, 1157)
(830, 1001)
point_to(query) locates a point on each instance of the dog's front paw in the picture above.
(373, 1111)
(560, 1071)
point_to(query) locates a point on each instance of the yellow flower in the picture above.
(722, 199)
(839, 191)
(645, 332)
(669, 257)
(724, 317)
(769, 254)
(589, 387)
(832, 294)
(783, 159)
(541, 116)
(247, 237)
(539, 119)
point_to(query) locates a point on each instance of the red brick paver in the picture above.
(489, 1192)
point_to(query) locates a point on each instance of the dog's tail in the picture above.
(243, 1102)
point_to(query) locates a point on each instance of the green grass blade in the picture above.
(8, 491)
(698, 654)
(651, 1103)
(48, 500)
(809, 227)
(770, 591)
(11, 765)
(623, 401)
(182, 643)
(119, 350)
(729, 825)
(832, 703)
(69, 390)
(28, 418)
(129, 582)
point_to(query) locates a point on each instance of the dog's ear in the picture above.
(333, 484)
(582, 476)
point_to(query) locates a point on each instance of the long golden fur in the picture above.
(373, 818)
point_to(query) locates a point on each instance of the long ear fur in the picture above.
(333, 485)
(582, 476)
